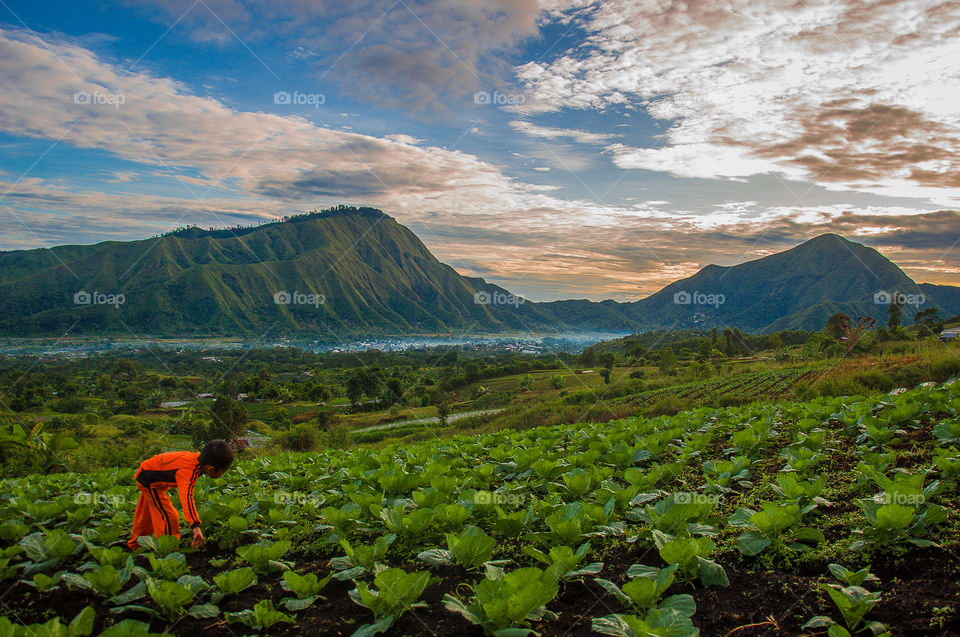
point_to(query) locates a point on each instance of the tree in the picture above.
(893, 312)
(229, 418)
(668, 359)
(607, 359)
(773, 342)
(605, 372)
(443, 410)
(837, 325)
(853, 332)
(557, 381)
(354, 389)
(926, 321)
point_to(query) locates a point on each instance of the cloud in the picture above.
(583, 137)
(219, 166)
(415, 54)
(157, 122)
(853, 95)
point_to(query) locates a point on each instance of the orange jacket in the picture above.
(178, 469)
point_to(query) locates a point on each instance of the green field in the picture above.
(700, 523)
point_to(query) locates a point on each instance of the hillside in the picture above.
(795, 289)
(356, 272)
(369, 275)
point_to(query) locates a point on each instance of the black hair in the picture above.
(217, 454)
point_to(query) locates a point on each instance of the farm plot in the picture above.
(834, 515)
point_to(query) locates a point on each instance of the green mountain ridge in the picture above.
(371, 276)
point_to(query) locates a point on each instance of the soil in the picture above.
(757, 603)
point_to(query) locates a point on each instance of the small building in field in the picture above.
(949, 335)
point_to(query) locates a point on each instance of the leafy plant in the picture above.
(503, 601)
(692, 557)
(664, 622)
(262, 617)
(774, 523)
(266, 557)
(361, 558)
(644, 592)
(563, 563)
(306, 588)
(233, 582)
(396, 592)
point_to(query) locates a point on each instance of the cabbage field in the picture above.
(837, 516)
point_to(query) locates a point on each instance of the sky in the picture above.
(561, 149)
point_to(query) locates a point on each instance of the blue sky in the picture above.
(625, 145)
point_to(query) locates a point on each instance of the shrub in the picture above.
(842, 386)
(908, 376)
(874, 379)
(944, 368)
(301, 437)
(665, 407)
(637, 374)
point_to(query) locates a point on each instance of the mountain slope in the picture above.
(375, 277)
(794, 289)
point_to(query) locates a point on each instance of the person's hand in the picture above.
(197, 537)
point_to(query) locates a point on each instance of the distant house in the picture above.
(204, 395)
(250, 439)
(949, 335)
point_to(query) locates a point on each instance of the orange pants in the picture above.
(155, 515)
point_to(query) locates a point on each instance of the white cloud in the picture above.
(776, 86)
(583, 137)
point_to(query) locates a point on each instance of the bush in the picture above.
(301, 437)
(69, 405)
(908, 376)
(667, 406)
(842, 386)
(637, 374)
(944, 368)
(803, 392)
(874, 379)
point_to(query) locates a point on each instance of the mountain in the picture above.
(355, 272)
(795, 289)
(345, 272)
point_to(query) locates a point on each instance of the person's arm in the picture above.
(186, 481)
